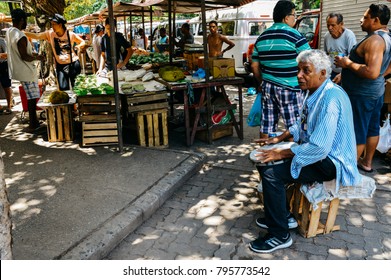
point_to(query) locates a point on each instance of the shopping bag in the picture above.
(255, 115)
(385, 136)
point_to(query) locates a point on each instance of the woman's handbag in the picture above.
(69, 69)
(255, 115)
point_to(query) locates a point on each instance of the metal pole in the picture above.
(150, 20)
(170, 34)
(115, 74)
(143, 22)
(206, 66)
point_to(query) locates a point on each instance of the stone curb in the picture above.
(105, 238)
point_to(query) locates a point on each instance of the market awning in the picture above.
(86, 19)
(194, 6)
(5, 18)
(187, 6)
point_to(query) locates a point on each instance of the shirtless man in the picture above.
(216, 40)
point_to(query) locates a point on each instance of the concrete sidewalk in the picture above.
(78, 203)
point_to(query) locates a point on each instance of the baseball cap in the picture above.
(59, 19)
(19, 14)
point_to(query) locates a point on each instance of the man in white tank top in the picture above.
(21, 63)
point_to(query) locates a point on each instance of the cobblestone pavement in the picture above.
(213, 215)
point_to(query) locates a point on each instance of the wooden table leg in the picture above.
(187, 120)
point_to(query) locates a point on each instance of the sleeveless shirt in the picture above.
(358, 86)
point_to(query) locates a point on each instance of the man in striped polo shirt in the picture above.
(326, 149)
(275, 68)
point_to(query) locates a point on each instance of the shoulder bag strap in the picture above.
(70, 44)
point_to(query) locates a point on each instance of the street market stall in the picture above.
(130, 102)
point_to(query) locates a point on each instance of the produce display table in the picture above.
(59, 118)
(205, 105)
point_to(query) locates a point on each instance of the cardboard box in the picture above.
(222, 67)
(192, 59)
(387, 93)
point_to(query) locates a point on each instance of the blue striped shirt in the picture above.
(330, 133)
(276, 50)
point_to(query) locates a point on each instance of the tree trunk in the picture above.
(306, 5)
(5, 224)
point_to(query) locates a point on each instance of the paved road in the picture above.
(213, 215)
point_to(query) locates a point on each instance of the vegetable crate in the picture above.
(308, 218)
(149, 109)
(59, 123)
(152, 128)
(96, 108)
(217, 132)
(99, 120)
(99, 133)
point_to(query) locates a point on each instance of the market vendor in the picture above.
(121, 44)
(216, 41)
(63, 43)
(141, 41)
(187, 38)
(161, 45)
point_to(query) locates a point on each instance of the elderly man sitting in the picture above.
(326, 149)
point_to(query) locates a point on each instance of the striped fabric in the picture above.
(276, 50)
(31, 89)
(329, 133)
(278, 101)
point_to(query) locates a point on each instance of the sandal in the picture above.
(5, 111)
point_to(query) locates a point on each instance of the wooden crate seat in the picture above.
(309, 220)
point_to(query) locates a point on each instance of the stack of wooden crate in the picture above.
(98, 117)
(150, 111)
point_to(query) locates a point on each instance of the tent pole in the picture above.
(170, 34)
(115, 74)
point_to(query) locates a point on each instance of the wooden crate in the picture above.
(59, 123)
(96, 108)
(218, 132)
(147, 102)
(95, 133)
(152, 128)
(309, 220)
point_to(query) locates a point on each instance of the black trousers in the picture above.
(274, 181)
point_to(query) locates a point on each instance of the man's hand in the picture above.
(40, 57)
(342, 62)
(267, 141)
(269, 155)
(120, 65)
(337, 79)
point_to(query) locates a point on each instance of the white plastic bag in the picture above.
(385, 136)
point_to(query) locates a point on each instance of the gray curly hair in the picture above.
(318, 58)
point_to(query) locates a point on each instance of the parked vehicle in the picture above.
(308, 24)
(241, 25)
